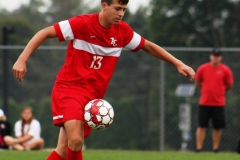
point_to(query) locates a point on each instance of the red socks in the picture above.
(71, 155)
(74, 155)
(54, 156)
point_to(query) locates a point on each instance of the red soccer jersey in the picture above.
(92, 53)
(214, 81)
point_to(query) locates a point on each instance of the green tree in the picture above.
(195, 23)
(66, 9)
(32, 12)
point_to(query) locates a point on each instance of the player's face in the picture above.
(115, 12)
(215, 60)
(27, 114)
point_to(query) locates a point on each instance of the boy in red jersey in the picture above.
(96, 41)
(214, 79)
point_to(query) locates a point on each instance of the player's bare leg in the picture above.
(62, 143)
(216, 136)
(75, 134)
(60, 152)
(200, 136)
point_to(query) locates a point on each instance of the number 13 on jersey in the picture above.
(96, 63)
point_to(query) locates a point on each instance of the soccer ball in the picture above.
(98, 114)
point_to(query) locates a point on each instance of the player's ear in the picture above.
(104, 5)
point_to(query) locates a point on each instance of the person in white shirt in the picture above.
(27, 132)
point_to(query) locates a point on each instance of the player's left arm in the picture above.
(162, 54)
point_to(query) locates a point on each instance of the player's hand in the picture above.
(186, 71)
(19, 69)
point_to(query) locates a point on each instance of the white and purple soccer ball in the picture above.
(99, 114)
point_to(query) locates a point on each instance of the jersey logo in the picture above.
(113, 42)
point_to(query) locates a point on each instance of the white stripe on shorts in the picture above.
(57, 117)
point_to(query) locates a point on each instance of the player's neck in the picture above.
(102, 20)
(214, 64)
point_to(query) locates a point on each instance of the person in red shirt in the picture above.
(214, 79)
(95, 44)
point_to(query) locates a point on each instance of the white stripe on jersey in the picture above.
(66, 30)
(96, 49)
(57, 117)
(134, 43)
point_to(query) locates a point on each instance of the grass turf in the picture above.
(123, 155)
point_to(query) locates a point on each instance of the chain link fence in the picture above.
(142, 92)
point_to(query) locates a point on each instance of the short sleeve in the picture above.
(134, 42)
(67, 29)
(17, 129)
(34, 129)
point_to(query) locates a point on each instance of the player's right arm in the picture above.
(162, 54)
(19, 68)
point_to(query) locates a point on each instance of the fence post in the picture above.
(6, 30)
(162, 105)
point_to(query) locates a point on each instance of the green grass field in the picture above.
(123, 155)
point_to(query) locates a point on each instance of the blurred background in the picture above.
(149, 115)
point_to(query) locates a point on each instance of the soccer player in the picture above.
(95, 44)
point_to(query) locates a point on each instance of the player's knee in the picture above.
(76, 141)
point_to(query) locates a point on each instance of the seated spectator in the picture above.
(5, 129)
(27, 132)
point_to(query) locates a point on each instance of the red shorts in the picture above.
(66, 106)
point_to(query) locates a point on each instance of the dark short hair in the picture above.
(109, 2)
